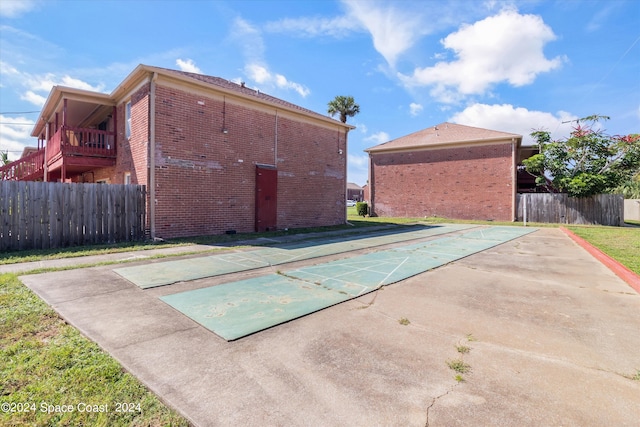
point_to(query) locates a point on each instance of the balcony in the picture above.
(70, 152)
(27, 168)
(73, 151)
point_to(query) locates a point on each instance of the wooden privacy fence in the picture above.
(603, 209)
(41, 215)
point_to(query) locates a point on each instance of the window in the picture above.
(127, 178)
(127, 116)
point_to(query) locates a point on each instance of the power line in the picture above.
(19, 112)
(19, 124)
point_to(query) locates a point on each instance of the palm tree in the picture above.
(345, 106)
(4, 158)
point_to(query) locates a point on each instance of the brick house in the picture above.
(215, 156)
(354, 192)
(448, 170)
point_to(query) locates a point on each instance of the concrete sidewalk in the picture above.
(553, 338)
(139, 255)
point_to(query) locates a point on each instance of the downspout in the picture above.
(152, 157)
(370, 185)
(63, 140)
(275, 145)
(344, 167)
(46, 144)
(514, 180)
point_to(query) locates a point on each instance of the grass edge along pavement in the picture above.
(618, 268)
(52, 375)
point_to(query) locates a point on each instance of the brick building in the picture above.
(354, 192)
(215, 156)
(448, 170)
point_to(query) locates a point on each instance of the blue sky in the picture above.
(512, 66)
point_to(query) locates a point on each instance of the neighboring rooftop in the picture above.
(445, 134)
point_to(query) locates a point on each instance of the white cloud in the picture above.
(257, 73)
(415, 109)
(601, 16)
(15, 135)
(33, 98)
(39, 86)
(261, 75)
(252, 45)
(15, 8)
(249, 38)
(507, 47)
(80, 84)
(188, 65)
(358, 170)
(35, 87)
(378, 137)
(393, 29)
(44, 83)
(313, 27)
(507, 118)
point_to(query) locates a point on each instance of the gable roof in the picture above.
(232, 88)
(144, 73)
(445, 134)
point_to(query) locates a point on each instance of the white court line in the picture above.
(242, 258)
(393, 271)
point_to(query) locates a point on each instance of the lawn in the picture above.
(620, 243)
(48, 367)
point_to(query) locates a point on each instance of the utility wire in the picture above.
(19, 112)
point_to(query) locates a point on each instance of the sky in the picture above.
(511, 66)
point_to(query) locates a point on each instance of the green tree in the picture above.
(630, 189)
(588, 162)
(345, 106)
(4, 158)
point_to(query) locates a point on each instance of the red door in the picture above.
(266, 198)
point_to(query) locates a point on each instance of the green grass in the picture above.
(462, 349)
(459, 366)
(47, 362)
(620, 243)
(218, 239)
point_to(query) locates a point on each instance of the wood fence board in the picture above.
(603, 209)
(39, 215)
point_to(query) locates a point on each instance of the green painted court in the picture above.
(166, 273)
(237, 309)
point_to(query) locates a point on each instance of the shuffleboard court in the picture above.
(169, 272)
(237, 309)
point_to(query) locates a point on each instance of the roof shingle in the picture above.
(244, 90)
(444, 134)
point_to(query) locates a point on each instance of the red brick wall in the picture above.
(462, 183)
(132, 152)
(205, 179)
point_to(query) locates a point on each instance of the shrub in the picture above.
(362, 208)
